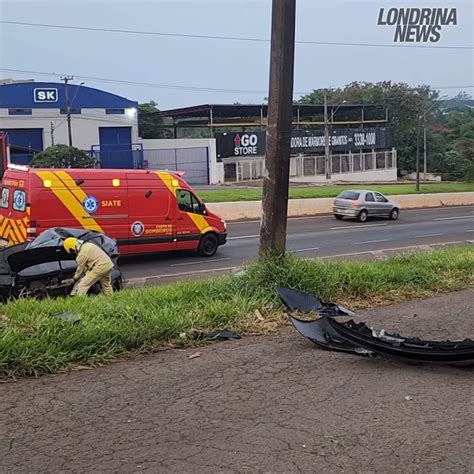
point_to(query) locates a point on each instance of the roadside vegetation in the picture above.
(255, 194)
(34, 341)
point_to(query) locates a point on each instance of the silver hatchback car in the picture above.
(362, 204)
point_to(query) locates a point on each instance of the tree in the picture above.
(62, 156)
(150, 125)
(460, 133)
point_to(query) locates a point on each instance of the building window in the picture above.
(19, 111)
(71, 110)
(115, 111)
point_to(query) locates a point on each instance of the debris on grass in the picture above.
(195, 355)
(356, 337)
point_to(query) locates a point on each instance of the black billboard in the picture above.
(252, 144)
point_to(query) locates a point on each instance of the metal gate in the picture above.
(193, 161)
(24, 143)
(116, 147)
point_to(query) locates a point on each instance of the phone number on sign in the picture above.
(364, 139)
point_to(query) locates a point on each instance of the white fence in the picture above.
(304, 167)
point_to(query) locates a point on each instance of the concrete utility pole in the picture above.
(327, 129)
(327, 157)
(418, 153)
(424, 150)
(280, 112)
(66, 79)
(423, 116)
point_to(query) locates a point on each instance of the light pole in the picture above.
(66, 79)
(327, 164)
(420, 117)
(327, 153)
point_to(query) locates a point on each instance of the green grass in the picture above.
(33, 341)
(255, 194)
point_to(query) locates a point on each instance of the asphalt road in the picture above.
(262, 404)
(310, 237)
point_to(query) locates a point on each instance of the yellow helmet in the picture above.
(70, 245)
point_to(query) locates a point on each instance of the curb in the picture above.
(367, 255)
(242, 210)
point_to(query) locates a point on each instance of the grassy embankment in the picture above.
(255, 194)
(34, 341)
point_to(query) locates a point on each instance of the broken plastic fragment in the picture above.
(68, 316)
(306, 303)
(219, 334)
(355, 337)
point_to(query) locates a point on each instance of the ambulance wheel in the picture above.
(208, 245)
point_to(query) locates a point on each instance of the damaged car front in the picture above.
(43, 268)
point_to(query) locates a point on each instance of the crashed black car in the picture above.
(43, 268)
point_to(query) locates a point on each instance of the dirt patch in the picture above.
(274, 404)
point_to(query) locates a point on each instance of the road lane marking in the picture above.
(452, 218)
(422, 209)
(200, 262)
(329, 214)
(131, 281)
(356, 226)
(410, 247)
(427, 235)
(304, 250)
(322, 216)
(243, 237)
(171, 275)
(370, 242)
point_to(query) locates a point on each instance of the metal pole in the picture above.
(280, 115)
(211, 118)
(326, 138)
(52, 133)
(66, 79)
(175, 130)
(424, 151)
(418, 154)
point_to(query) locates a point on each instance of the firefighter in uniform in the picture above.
(92, 261)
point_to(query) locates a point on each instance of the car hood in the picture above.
(55, 237)
(48, 247)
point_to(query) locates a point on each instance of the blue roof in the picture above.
(31, 94)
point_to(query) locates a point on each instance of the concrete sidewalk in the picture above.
(233, 211)
(267, 404)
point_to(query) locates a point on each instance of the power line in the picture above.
(227, 38)
(171, 86)
(144, 84)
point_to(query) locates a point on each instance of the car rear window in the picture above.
(352, 195)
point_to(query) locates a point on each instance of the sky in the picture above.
(234, 71)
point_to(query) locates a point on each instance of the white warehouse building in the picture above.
(33, 116)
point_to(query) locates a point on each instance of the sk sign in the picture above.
(45, 95)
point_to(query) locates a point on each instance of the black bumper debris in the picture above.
(351, 336)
